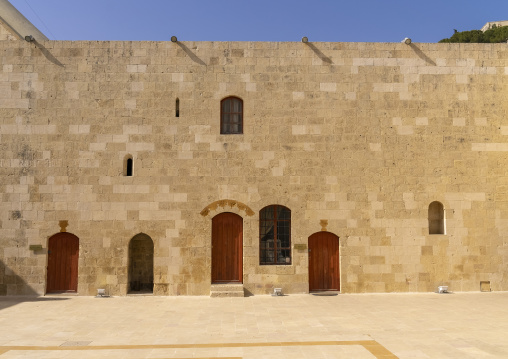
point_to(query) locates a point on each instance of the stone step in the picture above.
(227, 287)
(227, 290)
(226, 294)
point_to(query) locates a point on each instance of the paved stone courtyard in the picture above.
(459, 325)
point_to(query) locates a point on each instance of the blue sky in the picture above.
(259, 20)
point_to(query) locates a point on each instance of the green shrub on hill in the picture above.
(493, 35)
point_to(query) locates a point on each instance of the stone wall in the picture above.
(6, 33)
(354, 138)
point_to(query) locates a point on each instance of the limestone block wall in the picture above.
(6, 33)
(354, 138)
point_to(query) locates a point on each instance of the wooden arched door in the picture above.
(324, 262)
(62, 271)
(227, 248)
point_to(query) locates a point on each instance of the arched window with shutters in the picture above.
(437, 218)
(231, 116)
(275, 235)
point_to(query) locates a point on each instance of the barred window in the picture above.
(231, 116)
(275, 235)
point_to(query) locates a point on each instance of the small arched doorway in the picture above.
(324, 262)
(436, 218)
(227, 248)
(63, 255)
(141, 264)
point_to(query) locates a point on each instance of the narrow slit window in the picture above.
(128, 166)
(177, 108)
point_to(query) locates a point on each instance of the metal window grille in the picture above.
(275, 235)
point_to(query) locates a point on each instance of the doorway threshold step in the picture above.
(227, 290)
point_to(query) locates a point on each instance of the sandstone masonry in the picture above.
(355, 139)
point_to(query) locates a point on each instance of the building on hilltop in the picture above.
(180, 168)
(489, 25)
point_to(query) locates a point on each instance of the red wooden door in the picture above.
(227, 247)
(63, 253)
(324, 264)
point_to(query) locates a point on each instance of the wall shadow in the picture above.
(318, 52)
(191, 54)
(47, 54)
(14, 290)
(421, 55)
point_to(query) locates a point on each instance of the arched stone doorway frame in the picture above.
(249, 226)
(144, 282)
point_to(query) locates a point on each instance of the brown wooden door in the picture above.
(63, 253)
(324, 264)
(227, 247)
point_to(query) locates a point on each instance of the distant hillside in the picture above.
(494, 35)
